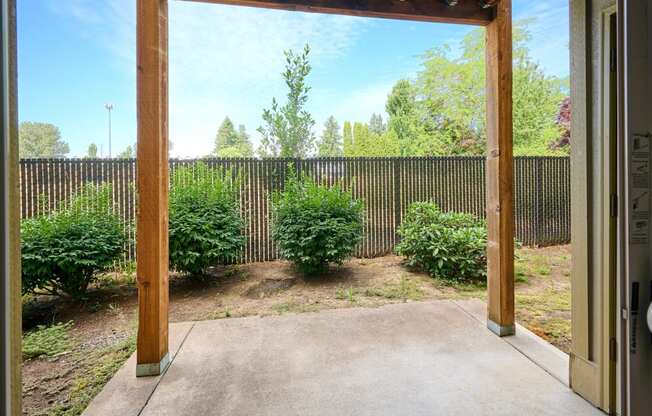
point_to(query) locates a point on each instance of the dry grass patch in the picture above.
(67, 375)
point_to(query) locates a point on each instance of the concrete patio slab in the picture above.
(421, 358)
(126, 394)
(542, 353)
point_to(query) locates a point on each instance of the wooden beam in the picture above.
(152, 173)
(500, 172)
(466, 12)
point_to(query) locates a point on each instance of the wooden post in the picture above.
(152, 179)
(500, 172)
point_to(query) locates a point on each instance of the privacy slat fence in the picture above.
(387, 186)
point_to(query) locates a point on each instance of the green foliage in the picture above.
(99, 366)
(92, 151)
(47, 341)
(63, 252)
(128, 153)
(362, 141)
(288, 129)
(377, 125)
(229, 143)
(205, 224)
(347, 139)
(315, 225)
(41, 140)
(331, 139)
(449, 246)
(442, 112)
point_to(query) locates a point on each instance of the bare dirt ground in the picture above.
(103, 327)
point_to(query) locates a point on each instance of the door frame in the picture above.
(612, 175)
(593, 309)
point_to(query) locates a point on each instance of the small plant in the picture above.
(315, 225)
(449, 246)
(205, 222)
(47, 341)
(65, 251)
(346, 294)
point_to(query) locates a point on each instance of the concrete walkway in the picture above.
(422, 358)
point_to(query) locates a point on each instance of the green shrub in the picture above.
(315, 225)
(205, 222)
(450, 246)
(63, 252)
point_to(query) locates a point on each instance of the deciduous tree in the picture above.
(287, 129)
(451, 98)
(41, 140)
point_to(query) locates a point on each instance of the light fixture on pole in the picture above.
(109, 107)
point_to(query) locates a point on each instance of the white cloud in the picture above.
(360, 104)
(222, 58)
(550, 33)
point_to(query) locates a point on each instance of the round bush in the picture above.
(449, 246)
(205, 224)
(64, 252)
(315, 225)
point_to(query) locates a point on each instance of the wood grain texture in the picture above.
(14, 220)
(152, 180)
(500, 169)
(465, 12)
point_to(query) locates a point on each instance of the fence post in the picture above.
(398, 174)
(539, 198)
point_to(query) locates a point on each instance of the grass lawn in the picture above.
(78, 347)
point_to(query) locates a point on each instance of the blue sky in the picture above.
(76, 55)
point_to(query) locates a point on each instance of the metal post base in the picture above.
(501, 331)
(154, 369)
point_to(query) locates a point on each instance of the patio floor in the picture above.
(420, 358)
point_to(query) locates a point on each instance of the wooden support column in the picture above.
(500, 172)
(152, 171)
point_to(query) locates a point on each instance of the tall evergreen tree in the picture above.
(331, 139)
(226, 136)
(229, 143)
(377, 125)
(244, 142)
(287, 129)
(348, 139)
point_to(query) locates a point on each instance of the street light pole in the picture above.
(109, 107)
